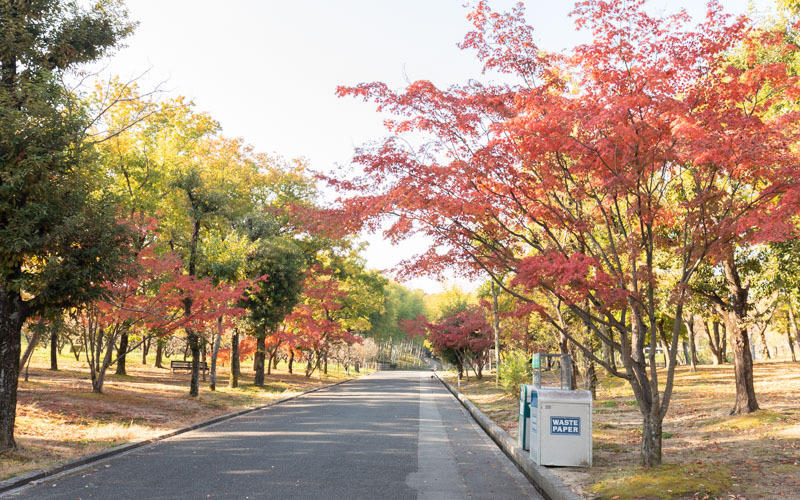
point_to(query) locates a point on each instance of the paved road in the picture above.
(393, 435)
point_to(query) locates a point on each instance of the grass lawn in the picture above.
(707, 453)
(60, 418)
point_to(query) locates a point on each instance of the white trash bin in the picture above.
(560, 431)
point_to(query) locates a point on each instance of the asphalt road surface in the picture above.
(392, 435)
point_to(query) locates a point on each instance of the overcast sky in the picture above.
(267, 69)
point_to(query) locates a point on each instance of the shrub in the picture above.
(515, 370)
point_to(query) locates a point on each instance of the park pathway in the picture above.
(392, 435)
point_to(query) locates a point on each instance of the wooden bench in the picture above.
(187, 365)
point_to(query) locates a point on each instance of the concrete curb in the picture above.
(545, 481)
(24, 479)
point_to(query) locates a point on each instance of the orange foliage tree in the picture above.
(599, 179)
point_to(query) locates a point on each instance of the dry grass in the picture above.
(706, 451)
(59, 417)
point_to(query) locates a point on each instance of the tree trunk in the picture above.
(664, 343)
(54, 348)
(203, 353)
(563, 347)
(309, 367)
(743, 368)
(121, 353)
(591, 378)
(12, 316)
(214, 353)
(496, 328)
(651, 439)
(194, 345)
(762, 337)
(740, 343)
(233, 381)
(193, 338)
(789, 333)
(260, 356)
(272, 355)
(99, 374)
(291, 360)
(793, 325)
(723, 349)
(715, 343)
(591, 369)
(159, 353)
(692, 344)
(145, 349)
(29, 349)
(608, 351)
(325, 370)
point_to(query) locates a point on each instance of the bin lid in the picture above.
(563, 396)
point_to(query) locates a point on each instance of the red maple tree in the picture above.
(601, 180)
(150, 299)
(463, 338)
(313, 326)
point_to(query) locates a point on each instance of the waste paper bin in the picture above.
(560, 427)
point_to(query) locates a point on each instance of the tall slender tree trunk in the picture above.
(723, 349)
(30, 348)
(194, 345)
(664, 343)
(12, 316)
(591, 378)
(159, 363)
(309, 367)
(269, 361)
(496, 328)
(789, 334)
(214, 353)
(564, 348)
(233, 381)
(716, 343)
(740, 342)
(260, 357)
(793, 324)
(291, 360)
(203, 353)
(54, 348)
(690, 325)
(191, 334)
(760, 333)
(608, 352)
(145, 349)
(763, 336)
(121, 353)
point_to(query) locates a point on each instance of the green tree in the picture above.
(56, 242)
(272, 298)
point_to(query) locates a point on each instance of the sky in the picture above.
(267, 70)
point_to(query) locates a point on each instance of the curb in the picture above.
(24, 479)
(542, 479)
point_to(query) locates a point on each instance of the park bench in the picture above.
(187, 365)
